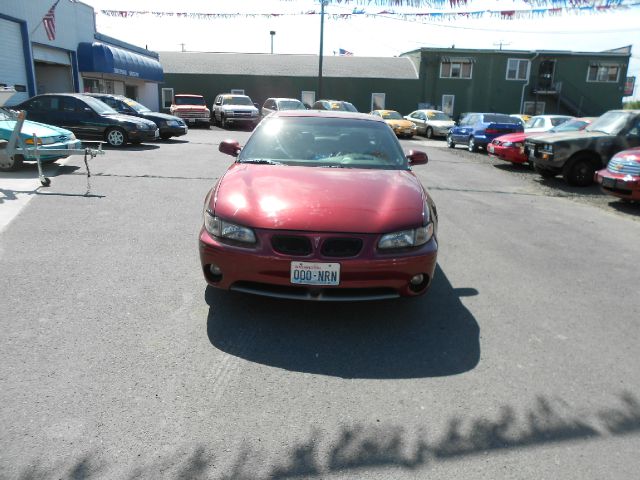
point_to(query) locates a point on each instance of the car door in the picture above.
(38, 109)
(419, 120)
(464, 130)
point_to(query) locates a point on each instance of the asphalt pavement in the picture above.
(522, 362)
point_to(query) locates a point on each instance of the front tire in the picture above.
(579, 172)
(116, 137)
(472, 147)
(223, 121)
(11, 164)
(450, 142)
(429, 133)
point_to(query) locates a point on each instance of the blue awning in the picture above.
(102, 58)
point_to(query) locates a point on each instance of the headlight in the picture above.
(547, 147)
(407, 238)
(254, 114)
(141, 126)
(72, 137)
(227, 230)
(173, 123)
(507, 144)
(29, 141)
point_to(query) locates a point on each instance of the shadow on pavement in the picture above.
(430, 336)
(362, 448)
(132, 147)
(558, 183)
(626, 207)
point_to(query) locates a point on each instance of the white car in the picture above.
(231, 109)
(543, 123)
(276, 104)
(431, 123)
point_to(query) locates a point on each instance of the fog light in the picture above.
(214, 273)
(417, 279)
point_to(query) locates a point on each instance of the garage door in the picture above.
(13, 71)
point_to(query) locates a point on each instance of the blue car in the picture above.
(477, 130)
(48, 137)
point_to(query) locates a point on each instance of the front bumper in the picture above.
(400, 131)
(244, 120)
(174, 131)
(619, 185)
(508, 154)
(367, 276)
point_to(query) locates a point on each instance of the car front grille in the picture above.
(620, 165)
(341, 247)
(190, 113)
(239, 113)
(291, 245)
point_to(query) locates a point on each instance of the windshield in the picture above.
(610, 123)
(324, 142)
(497, 118)
(189, 100)
(229, 100)
(138, 107)
(438, 116)
(291, 105)
(391, 115)
(97, 105)
(570, 126)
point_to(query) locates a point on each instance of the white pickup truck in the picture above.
(234, 109)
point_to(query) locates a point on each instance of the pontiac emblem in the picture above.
(316, 241)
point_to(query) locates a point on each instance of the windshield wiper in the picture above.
(261, 161)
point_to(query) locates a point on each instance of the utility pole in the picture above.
(182, 46)
(500, 43)
(322, 4)
(272, 33)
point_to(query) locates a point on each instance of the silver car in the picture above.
(276, 104)
(431, 123)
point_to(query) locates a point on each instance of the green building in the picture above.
(390, 82)
(510, 81)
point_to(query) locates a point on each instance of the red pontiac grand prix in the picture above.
(320, 205)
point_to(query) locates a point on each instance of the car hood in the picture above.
(159, 116)
(319, 199)
(513, 137)
(568, 136)
(400, 123)
(29, 128)
(441, 123)
(239, 107)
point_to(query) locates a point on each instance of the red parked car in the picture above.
(511, 148)
(621, 178)
(320, 205)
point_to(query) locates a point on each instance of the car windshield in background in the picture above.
(570, 126)
(99, 106)
(189, 101)
(438, 116)
(4, 115)
(610, 123)
(291, 105)
(138, 107)
(391, 116)
(555, 121)
(236, 101)
(494, 118)
(324, 142)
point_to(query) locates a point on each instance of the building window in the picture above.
(599, 72)
(455, 69)
(167, 97)
(517, 69)
(533, 108)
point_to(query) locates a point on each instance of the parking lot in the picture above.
(522, 361)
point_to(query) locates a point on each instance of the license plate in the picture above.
(313, 273)
(608, 182)
(191, 120)
(490, 148)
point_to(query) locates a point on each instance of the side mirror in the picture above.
(256, 105)
(230, 147)
(417, 157)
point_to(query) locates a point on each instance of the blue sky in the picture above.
(363, 36)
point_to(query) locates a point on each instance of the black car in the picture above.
(88, 118)
(169, 125)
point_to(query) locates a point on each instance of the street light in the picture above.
(272, 33)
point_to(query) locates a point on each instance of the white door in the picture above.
(13, 71)
(447, 104)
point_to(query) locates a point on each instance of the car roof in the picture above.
(187, 95)
(277, 99)
(327, 114)
(383, 110)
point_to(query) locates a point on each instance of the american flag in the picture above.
(49, 22)
(344, 52)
